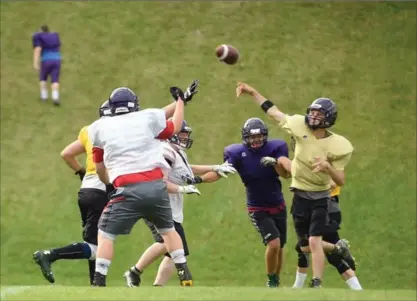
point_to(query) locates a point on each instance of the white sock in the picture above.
(44, 93)
(178, 256)
(354, 284)
(300, 278)
(55, 94)
(102, 265)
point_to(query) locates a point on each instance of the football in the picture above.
(227, 54)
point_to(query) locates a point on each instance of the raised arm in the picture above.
(267, 106)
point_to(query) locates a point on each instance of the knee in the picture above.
(302, 257)
(314, 242)
(105, 236)
(274, 244)
(338, 262)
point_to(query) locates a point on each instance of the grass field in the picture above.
(196, 293)
(362, 55)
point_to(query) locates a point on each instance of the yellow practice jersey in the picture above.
(335, 191)
(91, 179)
(335, 148)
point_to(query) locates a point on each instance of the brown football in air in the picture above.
(227, 53)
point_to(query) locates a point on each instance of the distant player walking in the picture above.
(320, 156)
(47, 59)
(127, 155)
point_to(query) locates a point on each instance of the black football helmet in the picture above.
(328, 108)
(254, 126)
(104, 109)
(182, 141)
(123, 100)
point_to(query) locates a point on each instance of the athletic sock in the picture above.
(353, 283)
(73, 251)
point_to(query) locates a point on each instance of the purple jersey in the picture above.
(263, 187)
(50, 44)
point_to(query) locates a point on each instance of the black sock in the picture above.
(92, 269)
(73, 251)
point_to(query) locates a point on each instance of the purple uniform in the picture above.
(50, 55)
(265, 202)
(263, 187)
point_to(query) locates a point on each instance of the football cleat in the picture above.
(42, 258)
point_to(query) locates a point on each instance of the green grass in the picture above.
(196, 293)
(362, 55)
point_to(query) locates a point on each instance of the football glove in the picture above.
(192, 180)
(191, 90)
(224, 169)
(109, 189)
(81, 173)
(176, 92)
(189, 189)
(268, 161)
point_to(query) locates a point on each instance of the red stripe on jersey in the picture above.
(98, 154)
(146, 176)
(168, 132)
(271, 210)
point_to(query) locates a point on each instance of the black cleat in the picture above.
(273, 281)
(184, 274)
(132, 278)
(99, 279)
(56, 103)
(342, 249)
(42, 258)
(315, 283)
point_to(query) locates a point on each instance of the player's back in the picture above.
(50, 44)
(263, 187)
(129, 142)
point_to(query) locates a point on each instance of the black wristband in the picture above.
(266, 105)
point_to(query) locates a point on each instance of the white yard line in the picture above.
(13, 290)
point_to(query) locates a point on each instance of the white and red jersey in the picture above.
(127, 145)
(179, 168)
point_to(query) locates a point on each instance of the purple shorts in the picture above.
(50, 68)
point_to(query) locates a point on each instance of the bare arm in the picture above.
(338, 176)
(178, 116)
(70, 152)
(102, 173)
(283, 167)
(270, 109)
(169, 110)
(36, 57)
(210, 177)
(201, 169)
(171, 187)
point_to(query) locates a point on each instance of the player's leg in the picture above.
(79, 250)
(43, 76)
(55, 73)
(265, 225)
(302, 264)
(98, 202)
(318, 226)
(165, 271)
(167, 266)
(345, 269)
(159, 212)
(118, 218)
(132, 276)
(281, 224)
